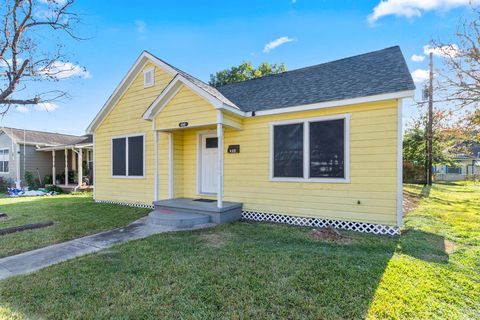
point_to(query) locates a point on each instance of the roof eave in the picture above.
(172, 88)
(338, 103)
(123, 85)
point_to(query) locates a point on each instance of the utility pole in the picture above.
(429, 155)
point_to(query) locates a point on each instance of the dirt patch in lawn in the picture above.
(216, 240)
(410, 202)
(3, 216)
(330, 235)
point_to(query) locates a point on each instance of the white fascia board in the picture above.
(124, 84)
(163, 99)
(338, 103)
(171, 90)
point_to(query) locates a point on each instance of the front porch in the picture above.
(188, 212)
(78, 166)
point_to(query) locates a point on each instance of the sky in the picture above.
(202, 37)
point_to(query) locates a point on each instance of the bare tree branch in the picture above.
(21, 57)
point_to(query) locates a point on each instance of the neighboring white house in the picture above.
(42, 154)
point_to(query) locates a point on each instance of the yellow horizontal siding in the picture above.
(373, 154)
(186, 106)
(126, 118)
(233, 121)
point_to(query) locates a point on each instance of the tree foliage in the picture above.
(245, 71)
(449, 138)
(29, 50)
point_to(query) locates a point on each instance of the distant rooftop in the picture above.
(45, 138)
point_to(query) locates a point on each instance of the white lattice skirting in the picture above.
(322, 223)
(137, 205)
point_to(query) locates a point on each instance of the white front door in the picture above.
(208, 171)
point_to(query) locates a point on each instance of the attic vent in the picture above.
(148, 77)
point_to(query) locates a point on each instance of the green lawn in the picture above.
(73, 216)
(268, 271)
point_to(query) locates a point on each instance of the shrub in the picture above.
(30, 181)
(54, 188)
(47, 179)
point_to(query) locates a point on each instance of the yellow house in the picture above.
(314, 146)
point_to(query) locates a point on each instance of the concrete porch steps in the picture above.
(177, 218)
(186, 210)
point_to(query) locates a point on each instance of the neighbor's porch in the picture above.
(77, 172)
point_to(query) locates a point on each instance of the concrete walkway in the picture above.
(34, 260)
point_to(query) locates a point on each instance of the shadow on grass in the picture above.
(259, 271)
(425, 246)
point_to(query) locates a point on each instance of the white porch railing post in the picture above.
(80, 167)
(54, 173)
(220, 159)
(66, 167)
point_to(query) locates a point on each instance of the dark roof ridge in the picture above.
(308, 67)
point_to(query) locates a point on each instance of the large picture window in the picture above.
(311, 150)
(4, 160)
(128, 156)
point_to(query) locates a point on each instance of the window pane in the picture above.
(288, 150)
(327, 152)
(1, 166)
(135, 156)
(118, 154)
(5, 166)
(211, 143)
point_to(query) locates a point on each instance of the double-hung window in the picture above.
(128, 156)
(4, 160)
(314, 150)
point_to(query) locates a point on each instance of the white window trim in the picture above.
(6, 172)
(306, 146)
(145, 84)
(126, 176)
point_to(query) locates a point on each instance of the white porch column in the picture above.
(170, 165)
(80, 167)
(155, 139)
(220, 159)
(54, 173)
(74, 163)
(66, 167)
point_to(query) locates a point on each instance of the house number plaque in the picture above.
(183, 124)
(234, 148)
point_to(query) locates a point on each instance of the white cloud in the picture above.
(45, 106)
(21, 109)
(415, 8)
(417, 58)
(276, 43)
(141, 26)
(444, 51)
(8, 62)
(420, 75)
(63, 70)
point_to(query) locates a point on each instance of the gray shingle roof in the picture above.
(45, 138)
(378, 72)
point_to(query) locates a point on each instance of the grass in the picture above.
(268, 271)
(73, 216)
